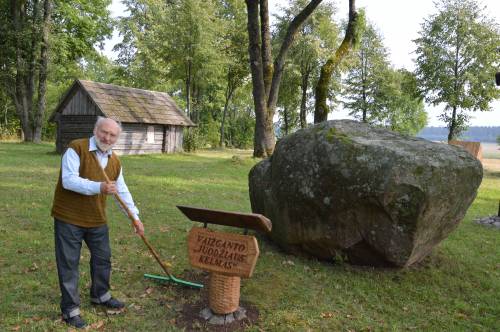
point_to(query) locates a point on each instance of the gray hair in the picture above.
(101, 119)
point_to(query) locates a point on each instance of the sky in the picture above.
(398, 21)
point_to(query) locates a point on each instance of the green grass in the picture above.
(455, 289)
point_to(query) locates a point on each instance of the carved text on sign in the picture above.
(226, 253)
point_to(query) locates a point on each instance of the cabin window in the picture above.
(151, 134)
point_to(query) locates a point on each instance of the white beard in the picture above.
(103, 147)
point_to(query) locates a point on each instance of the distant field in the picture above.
(491, 150)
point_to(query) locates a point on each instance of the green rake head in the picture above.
(174, 280)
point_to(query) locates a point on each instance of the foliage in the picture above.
(79, 26)
(315, 42)
(353, 34)
(175, 41)
(192, 49)
(9, 123)
(498, 139)
(402, 106)
(289, 101)
(377, 94)
(237, 69)
(454, 289)
(365, 78)
(267, 70)
(456, 60)
(242, 130)
(191, 141)
(76, 27)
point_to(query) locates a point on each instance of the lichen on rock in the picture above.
(377, 197)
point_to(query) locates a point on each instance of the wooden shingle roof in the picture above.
(130, 105)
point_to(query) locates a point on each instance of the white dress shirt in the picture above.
(71, 179)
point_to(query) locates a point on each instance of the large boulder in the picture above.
(374, 196)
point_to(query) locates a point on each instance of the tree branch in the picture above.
(279, 63)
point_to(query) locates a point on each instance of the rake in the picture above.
(169, 277)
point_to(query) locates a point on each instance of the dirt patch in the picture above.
(491, 167)
(188, 318)
(491, 164)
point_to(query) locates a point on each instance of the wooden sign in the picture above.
(253, 221)
(224, 253)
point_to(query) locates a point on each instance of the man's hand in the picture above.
(108, 188)
(139, 227)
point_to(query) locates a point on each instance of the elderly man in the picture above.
(79, 212)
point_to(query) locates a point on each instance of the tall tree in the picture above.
(192, 50)
(24, 40)
(139, 65)
(354, 31)
(43, 69)
(289, 100)
(237, 71)
(266, 74)
(362, 85)
(379, 95)
(179, 44)
(456, 57)
(30, 29)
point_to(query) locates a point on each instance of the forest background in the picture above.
(198, 52)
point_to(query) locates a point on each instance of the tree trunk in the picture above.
(285, 119)
(21, 94)
(261, 138)
(188, 89)
(321, 108)
(265, 36)
(229, 93)
(265, 98)
(32, 67)
(42, 81)
(453, 125)
(196, 100)
(364, 104)
(364, 79)
(303, 106)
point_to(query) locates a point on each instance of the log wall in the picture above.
(70, 127)
(79, 115)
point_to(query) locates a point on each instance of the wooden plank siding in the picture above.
(81, 104)
(173, 139)
(134, 139)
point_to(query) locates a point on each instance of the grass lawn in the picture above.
(455, 289)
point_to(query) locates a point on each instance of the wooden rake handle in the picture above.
(132, 219)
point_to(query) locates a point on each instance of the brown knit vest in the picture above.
(78, 209)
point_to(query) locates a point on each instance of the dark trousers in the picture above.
(68, 244)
